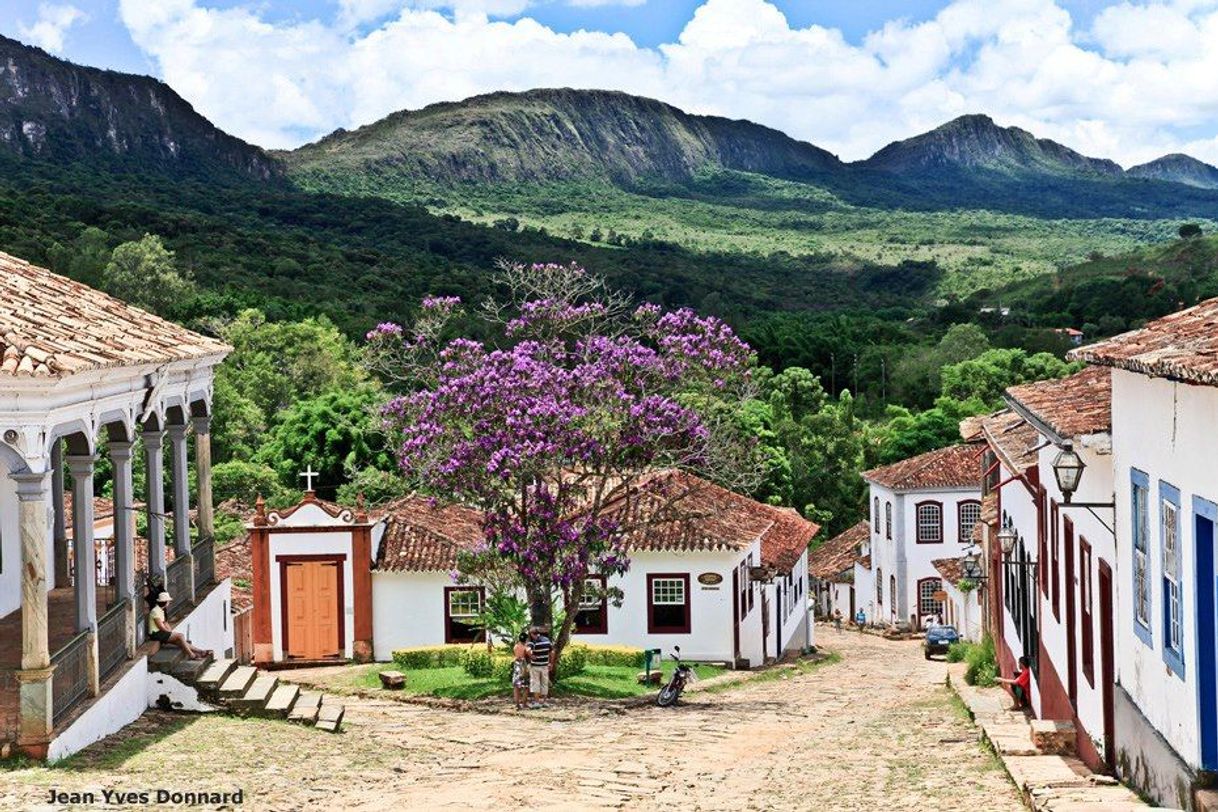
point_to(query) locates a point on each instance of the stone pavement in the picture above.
(878, 730)
(1061, 783)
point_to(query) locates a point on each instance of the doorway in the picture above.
(1205, 516)
(1071, 629)
(1107, 665)
(312, 595)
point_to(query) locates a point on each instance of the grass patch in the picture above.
(796, 669)
(452, 682)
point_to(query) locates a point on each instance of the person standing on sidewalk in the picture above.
(837, 620)
(539, 667)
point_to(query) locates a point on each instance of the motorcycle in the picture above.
(682, 675)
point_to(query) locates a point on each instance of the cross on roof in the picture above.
(308, 475)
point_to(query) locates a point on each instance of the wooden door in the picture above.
(313, 610)
(1107, 665)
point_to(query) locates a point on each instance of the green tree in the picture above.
(1189, 230)
(987, 376)
(336, 432)
(246, 481)
(376, 486)
(908, 433)
(143, 273)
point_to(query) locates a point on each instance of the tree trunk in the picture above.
(541, 611)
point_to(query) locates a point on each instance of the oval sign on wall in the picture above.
(710, 579)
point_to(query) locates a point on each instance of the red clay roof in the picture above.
(52, 326)
(956, 466)
(695, 514)
(1182, 346)
(950, 569)
(1013, 440)
(839, 553)
(1071, 407)
(422, 537)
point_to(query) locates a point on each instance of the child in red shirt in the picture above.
(1021, 685)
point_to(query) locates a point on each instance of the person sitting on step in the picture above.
(160, 630)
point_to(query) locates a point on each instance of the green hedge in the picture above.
(483, 664)
(618, 656)
(982, 662)
(432, 656)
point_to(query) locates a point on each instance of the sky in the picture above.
(1128, 80)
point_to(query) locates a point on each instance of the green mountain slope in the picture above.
(556, 135)
(976, 142)
(61, 112)
(1178, 169)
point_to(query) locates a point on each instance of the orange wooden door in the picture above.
(313, 611)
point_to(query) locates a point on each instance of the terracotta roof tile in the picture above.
(950, 569)
(1071, 407)
(1013, 440)
(706, 516)
(956, 466)
(52, 326)
(233, 561)
(864, 562)
(839, 553)
(1182, 346)
(420, 537)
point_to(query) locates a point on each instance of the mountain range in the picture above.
(55, 110)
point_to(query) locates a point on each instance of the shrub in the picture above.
(956, 652)
(982, 668)
(574, 661)
(482, 664)
(618, 656)
(430, 656)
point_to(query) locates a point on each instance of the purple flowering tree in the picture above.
(555, 425)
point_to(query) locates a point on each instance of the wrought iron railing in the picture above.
(204, 554)
(177, 583)
(70, 682)
(112, 639)
(141, 607)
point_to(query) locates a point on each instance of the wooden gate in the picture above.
(312, 594)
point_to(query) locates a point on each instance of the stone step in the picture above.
(330, 717)
(306, 708)
(281, 702)
(211, 679)
(238, 682)
(164, 659)
(189, 671)
(257, 695)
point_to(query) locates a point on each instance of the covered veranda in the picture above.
(83, 375)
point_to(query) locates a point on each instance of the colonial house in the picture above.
(831, 571)
(1053, 553)
(81, 374)
(726, 581)
(1164, 445)
(922, 509)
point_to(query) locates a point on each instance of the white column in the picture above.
(207, 524)
(60, 527)
(84, 551)
(181, 489)
(124, 540)
(36, 706)
(155, 463)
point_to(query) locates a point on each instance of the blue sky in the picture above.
(1128, 80)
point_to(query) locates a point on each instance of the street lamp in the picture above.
(1007, 538)
(970, 564)
(1068, 470)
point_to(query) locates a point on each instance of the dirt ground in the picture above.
(877, 730)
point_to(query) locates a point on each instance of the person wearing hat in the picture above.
(160, 630)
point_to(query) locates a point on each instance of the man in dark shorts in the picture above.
(1021, 685)
(160, 630)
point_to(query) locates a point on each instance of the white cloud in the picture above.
(52, 24)
(1129, 88)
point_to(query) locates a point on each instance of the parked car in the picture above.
(939, 639)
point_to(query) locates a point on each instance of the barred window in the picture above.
(879, 587)
(1141, 563)
(968, 514)
(930, 523)
(1171, 576)
(888, 519)
(927, 605)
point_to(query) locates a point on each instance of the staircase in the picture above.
(245, 691)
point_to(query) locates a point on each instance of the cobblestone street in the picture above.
(876, 730)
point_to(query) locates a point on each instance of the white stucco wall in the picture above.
(407, 610)
(10, 545)
(210, 624)
(316, 543)
(1168, 431)
(119, 707)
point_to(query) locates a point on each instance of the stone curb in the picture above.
(1045, 782)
